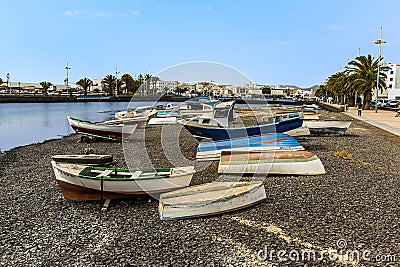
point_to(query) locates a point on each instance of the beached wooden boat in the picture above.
(217, 132)
(211, 150)
(118, 131)
(210, 199)
(85, 159)
(327, 127)
(311, 107)
(193, 108)
(80, 182)
(270, 162)
(162, 121)
(168, 113)
(142, 111)
(300, 131)
(188, 110)
(139, 121)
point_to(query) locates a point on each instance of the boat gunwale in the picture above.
(188, 171)
(294, 160)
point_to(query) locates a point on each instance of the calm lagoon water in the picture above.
(28, 123)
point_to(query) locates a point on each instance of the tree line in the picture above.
(358, 79)
(109, 84)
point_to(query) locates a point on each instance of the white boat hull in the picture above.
(162, 121)
(68, 173)
(117, 130)
(327, 127)
(210, 199)
(211, 150)
(277, 162)
(300, 131)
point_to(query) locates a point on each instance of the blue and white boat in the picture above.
(277, 124)
(211, 150)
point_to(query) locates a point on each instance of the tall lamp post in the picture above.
(379, 42)
(8, 82)
(66, 79)
(116, 81)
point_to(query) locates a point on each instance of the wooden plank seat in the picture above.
(105, 173)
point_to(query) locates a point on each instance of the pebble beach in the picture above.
(354, 206)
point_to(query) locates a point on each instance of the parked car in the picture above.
(394, 103)
(383, 102)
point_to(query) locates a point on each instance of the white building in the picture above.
(26, 87)
(392, 90)
(96, 85)
(249, 89)
(161, 86)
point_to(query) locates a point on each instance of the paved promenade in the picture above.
(383, 119)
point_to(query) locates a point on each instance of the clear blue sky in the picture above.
(272, 42)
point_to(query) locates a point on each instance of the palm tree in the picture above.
(147, 78)
(140, 79)
(364, 71)
(45, 85)
(109, 84)
(120, 82)
(135, 86)
(340, 85)
(128, 81)
(85, 83)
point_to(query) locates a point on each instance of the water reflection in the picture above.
(27, 123)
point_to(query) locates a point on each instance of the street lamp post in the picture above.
(116, 81)
(8, 82)
(66, 79)
(379, 42)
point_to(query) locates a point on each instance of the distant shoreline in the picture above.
(55, 99)
(128, 98)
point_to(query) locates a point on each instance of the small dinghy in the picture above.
(85, 159)
(162, 121)
(271, 162)
(327, 127)
(80, 182)
(210, 199)
(300, 131)
(101, 129)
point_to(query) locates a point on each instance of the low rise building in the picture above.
(392, 90)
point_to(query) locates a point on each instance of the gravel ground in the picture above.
(356, 202)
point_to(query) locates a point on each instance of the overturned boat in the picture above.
(327, 127)
(84, 159)
(210, 199)
(211, 150)
(270, 162)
